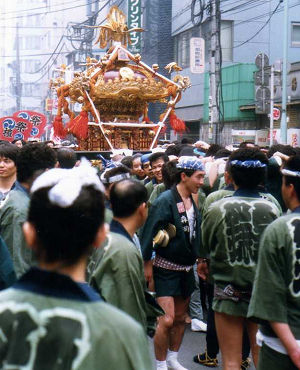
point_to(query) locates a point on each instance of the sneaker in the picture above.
(246, 363)
(175, 365)
(205, 360)
(198, 325)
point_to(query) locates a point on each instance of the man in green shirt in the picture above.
(157, 160)
(51, 319)
(172, 267)
(31, 161)
(119, 275)
(275, 299)
(231, 230)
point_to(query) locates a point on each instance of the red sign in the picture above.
(38, 121)
(276, 114)
(15, 128)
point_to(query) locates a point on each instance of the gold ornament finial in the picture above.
(115, 29)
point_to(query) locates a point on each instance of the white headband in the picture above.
(67, 183)
(286, 172)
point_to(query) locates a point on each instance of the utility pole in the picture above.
(272, 105)
(18, 74)
(283, 124)
(214, 74)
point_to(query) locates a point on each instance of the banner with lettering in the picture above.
(15, 128)
(135, 21)
(38, 121)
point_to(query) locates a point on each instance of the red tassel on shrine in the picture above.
(176, 123)
(79, 125)
(58, 127)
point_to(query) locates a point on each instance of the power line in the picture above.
(36, 8)
(54, 60)
(48, 11)
(44, 65)
(256, 33)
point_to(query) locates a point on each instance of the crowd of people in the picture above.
(93, 259)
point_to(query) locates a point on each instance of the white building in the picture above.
(43, 28)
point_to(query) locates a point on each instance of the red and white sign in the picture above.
(263, 137)
(38, 121)
(276, 114)
(15, 128)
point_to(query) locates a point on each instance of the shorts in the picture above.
(273, 360)
(231, 308)
(169, 283)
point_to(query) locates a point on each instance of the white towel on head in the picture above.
(67, 183)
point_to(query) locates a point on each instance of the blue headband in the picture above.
(190, 163)
(145, 158)
(198, 152)
(248, 164)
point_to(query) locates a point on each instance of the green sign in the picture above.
(135, 21)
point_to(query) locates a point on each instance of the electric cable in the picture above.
(256, 33)
(47, 12)
(45, 64)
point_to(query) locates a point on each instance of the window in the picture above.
(182, 42)
(182, 46)
(295, 36)
(32, 43)
(30, 66)
(226, 40)
(31, 90)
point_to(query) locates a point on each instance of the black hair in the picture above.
(188, 173)
(284, 149)
(22, 141)
(169, 172)
(244, 144)
(222, 153)
(187, 150)
(158, 155)
(212, 150)
(247, 178)
(293, 164)
(32, 158)
(9, 151)
(128, 161)
(114, 172)
(66, 234)
(126, 196)
(66, 157)
(187, 140)
(173, 149)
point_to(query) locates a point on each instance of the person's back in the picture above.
(50, 322)
(51, 319)
(232, 228)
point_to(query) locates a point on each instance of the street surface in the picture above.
(193, 343)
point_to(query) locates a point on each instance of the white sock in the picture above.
(172, 355)
(161, 365)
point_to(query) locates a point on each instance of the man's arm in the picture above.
(287, 338)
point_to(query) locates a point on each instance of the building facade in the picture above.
(247, 28)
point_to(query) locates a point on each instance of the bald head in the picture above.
(126, 196)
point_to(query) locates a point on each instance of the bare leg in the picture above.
(230, 336)
(177, 331)
(165, 323)
(252, 330)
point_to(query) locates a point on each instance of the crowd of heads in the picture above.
(247, 167)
